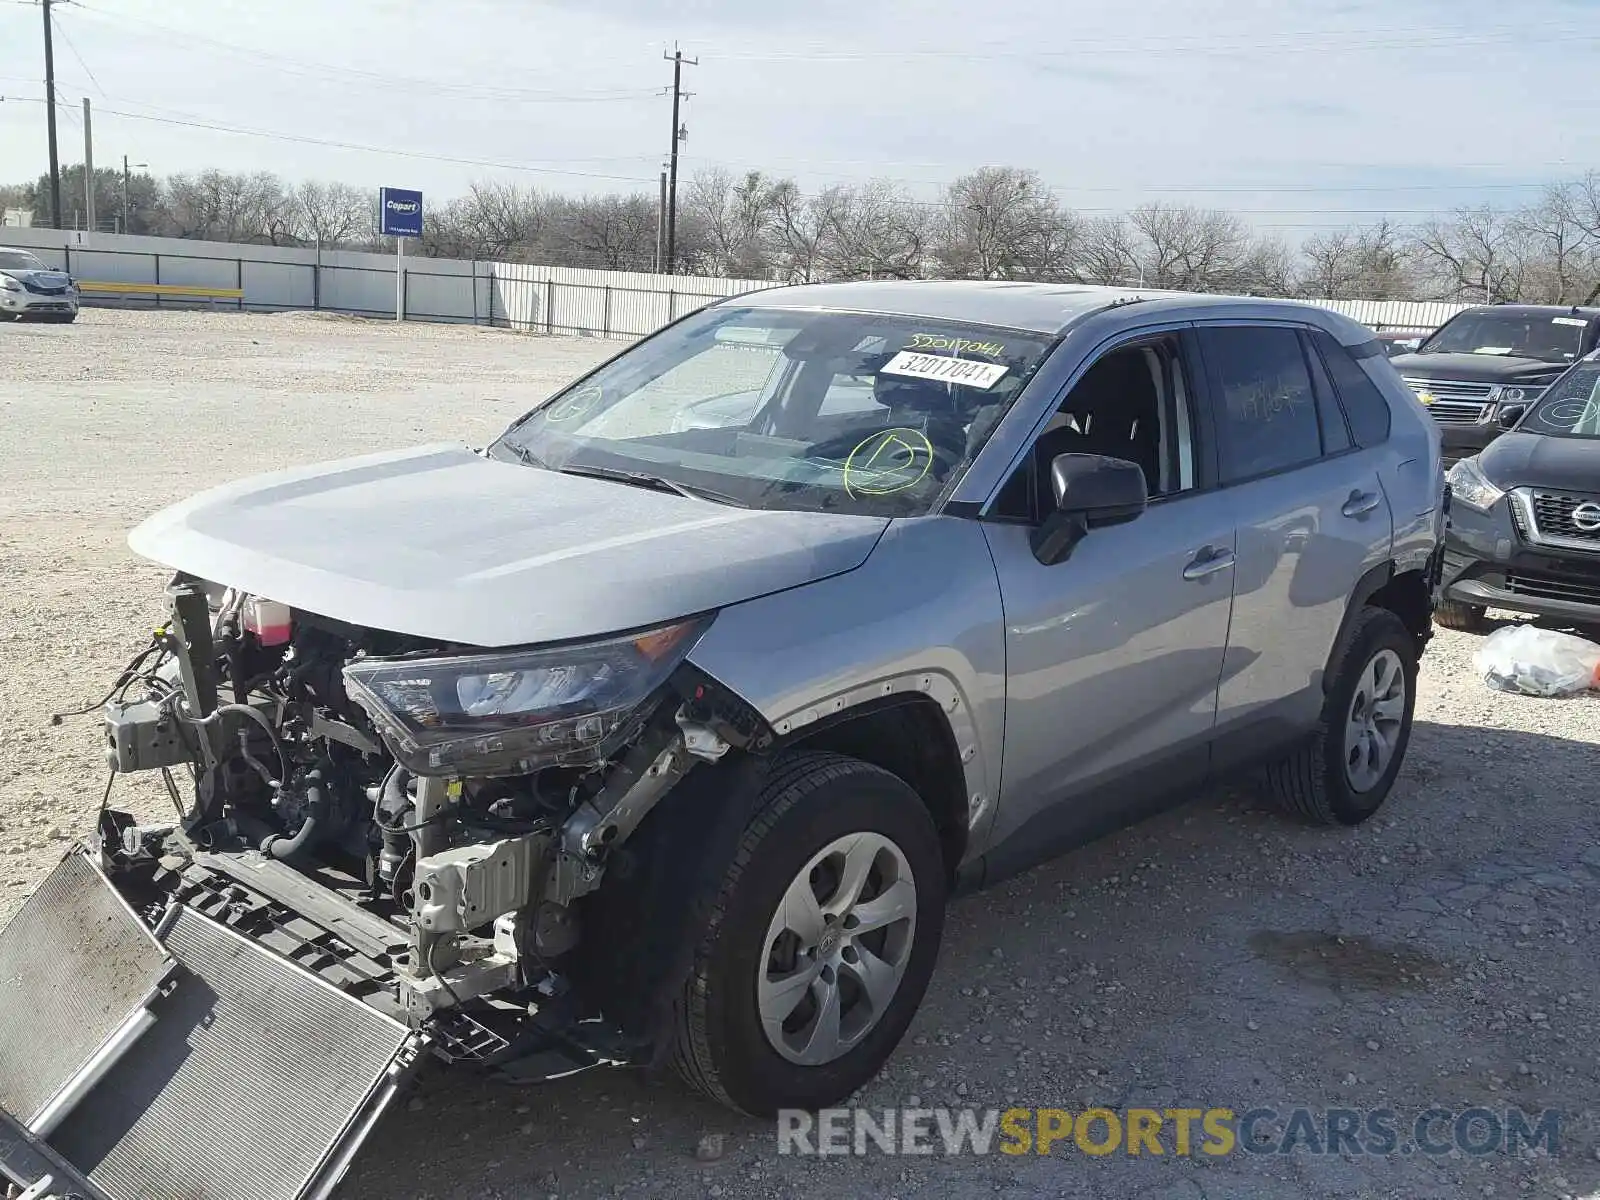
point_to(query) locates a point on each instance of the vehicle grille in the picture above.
(38, 289)
(1454, 402)
(1553, 513)
(1551, 587)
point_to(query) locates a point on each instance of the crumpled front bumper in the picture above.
(183, 1060)
(35, 304)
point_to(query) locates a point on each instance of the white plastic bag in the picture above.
(1537, 662)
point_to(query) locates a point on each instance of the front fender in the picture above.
(922, 614)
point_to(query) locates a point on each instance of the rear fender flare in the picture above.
(1366, 587)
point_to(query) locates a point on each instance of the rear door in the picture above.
(1312, 518)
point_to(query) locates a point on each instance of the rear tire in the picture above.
(1468, 618)
(1343, 773)
(825, 824)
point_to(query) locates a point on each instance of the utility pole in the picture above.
(661, 223)
(125, 194)
(677, 60)
(50, 119)
(88, 168)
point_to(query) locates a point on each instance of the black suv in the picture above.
(1523, 531)
(1486, 359)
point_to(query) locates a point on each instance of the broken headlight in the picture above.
(510, 712)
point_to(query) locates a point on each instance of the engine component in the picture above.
(270, 621)
(313, 824)
(555, 930)
(391, 802)
(469, 886)
(143, 735)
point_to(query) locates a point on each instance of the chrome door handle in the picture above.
(1360, 504)
(1208, 563)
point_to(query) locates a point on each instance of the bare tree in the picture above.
(1109, 254)
(1559, 236)
(1476, 254)
(740, 216)
(333, 214)
(493, 220)
(1003, 223)
(615, 233)
(878, 233)
(805, 229)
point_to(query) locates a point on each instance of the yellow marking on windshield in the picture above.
(890, 461)
(957, 345)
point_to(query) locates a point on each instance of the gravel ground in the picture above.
(1218, 956)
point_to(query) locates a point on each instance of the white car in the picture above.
(29, 289)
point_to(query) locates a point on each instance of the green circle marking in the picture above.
(889, 461)
(576, 406)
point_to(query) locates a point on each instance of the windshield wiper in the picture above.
(656, 483)
(522, 454)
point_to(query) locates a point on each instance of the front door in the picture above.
(1112, 656)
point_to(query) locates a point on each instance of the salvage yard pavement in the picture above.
(1220, 956)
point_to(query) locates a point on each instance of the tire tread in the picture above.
(1298, 782)
(793, 778)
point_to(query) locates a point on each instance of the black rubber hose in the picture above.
(282, 847)
(392, 804)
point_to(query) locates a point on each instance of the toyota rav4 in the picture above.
(664, 727)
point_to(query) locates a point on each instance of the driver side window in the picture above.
(1132, 403)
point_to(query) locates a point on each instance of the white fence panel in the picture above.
(278, 285)
(525, 296)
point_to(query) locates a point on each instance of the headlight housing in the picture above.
(1471, 487)
(9, 284)
(512, 712)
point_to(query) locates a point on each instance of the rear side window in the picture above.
(1266, 409)
(1363, 402)
(1335, 432)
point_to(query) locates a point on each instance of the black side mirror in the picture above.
(1510, 414)
(1092, 491)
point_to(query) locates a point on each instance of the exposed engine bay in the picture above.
(414, 821)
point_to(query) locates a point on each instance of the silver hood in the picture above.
(442, 543)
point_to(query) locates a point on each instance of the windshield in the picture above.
(1511, 335)
(1571, 406)
(789, 408)
(20, 260)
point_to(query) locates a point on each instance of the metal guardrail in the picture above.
(161, 289)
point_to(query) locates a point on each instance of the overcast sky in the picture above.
(1304, 115)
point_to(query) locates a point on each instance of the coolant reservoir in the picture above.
(268, 620)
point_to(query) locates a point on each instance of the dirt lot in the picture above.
(1218, 956)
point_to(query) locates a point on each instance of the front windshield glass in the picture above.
(1571, 406)
(1511, 335)
(19, 260)
(789, 408)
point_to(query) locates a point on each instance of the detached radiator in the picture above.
(75, 966)
(256, 1081)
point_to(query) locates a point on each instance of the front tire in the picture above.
(1468, 618)
(1343, 773)
(821, 943)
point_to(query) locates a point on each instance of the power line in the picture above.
(336, 145)
(70, 46)
(1413, 39)
(354, 76)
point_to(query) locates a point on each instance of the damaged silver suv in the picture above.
(664, 727)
